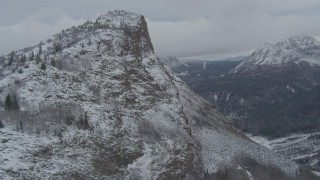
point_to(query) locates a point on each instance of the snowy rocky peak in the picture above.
(96, 103)
(115, 32)
(120, 19)
(133, 25)
(294, 49)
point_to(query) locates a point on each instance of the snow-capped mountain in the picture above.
(96, 103)
(295, 49)
(275, 92)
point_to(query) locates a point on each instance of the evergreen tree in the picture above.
(1, 124)
(43, 66)
(53, 63)
(38, 59)
(122, 24)
(83, 123)
(98, 45)
(11, 103)
(20, 71)
(206, 174)
(21, 126)
(86, 122)
(60, 36)
(89, 42)
(23, 59)
(31, 56)
(8, 103)
(40, 48)
(57, 47)
(11, 58)
(2, 59)
(14, 100)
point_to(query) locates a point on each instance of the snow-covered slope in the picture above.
(294, 49)
(96, 103)
(301, 148)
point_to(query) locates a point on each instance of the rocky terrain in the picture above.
(94, 102)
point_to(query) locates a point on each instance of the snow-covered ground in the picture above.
(302, 148)
(260, 140)
(16, 150)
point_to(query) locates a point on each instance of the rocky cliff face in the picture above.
(95, 103)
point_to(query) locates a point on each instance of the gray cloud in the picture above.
(184, 28)
(34, 28)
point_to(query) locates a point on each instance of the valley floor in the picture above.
(301, 148)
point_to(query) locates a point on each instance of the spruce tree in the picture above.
(38, 59)
(86, 122)
(40, 48)
(53, 63)
(1, 124)
(89, 42)
(15, 104)
(20, 71)
(43, 66)
(2, 59)
(21, 126)
(31, 56)
(8, 103)
(11, 59)
(23, 59)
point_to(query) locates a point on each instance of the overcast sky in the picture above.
(184, 28)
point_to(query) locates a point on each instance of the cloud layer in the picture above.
(34, 28)
(183, 28)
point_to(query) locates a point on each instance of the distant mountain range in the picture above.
(274, 92)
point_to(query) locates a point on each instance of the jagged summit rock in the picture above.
(294, 50)
(104, 107)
